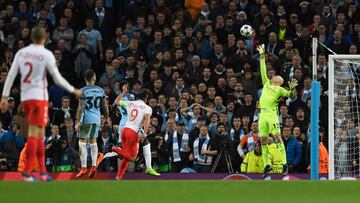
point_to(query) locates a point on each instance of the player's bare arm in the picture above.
(124, 90)
(105, 107)
(79, 114)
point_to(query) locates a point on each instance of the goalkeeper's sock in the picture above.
(282, 151)
(265, 154)
(30, 152)
(147, 155)
(94, 153)
(83, 154)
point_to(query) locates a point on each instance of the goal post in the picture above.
(343, 115)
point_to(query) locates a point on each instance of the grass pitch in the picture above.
(181, 191)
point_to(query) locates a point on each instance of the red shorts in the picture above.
(130, 141)
(36, 112)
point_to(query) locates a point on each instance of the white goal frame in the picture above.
(331, 113)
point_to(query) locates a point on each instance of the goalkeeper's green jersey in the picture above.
(270, 94)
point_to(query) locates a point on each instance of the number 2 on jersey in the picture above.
(27, 76)
(133, 114)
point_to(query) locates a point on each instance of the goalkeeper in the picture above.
(268, 117)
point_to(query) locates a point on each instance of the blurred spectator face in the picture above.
(245, 120)
(160, 18)
(181, 129)
(158, 36)
(343, 135)
(3, 76)
(172, 101)
(158, 84)
(283, 110)
(289, 122)
(300, 114)
(223, 117)
(206, 73)
(237, 122)
(263, 9)
(197, 110)
(316, 19)
(68, 13)
(202, 88)
(83, 39)
(286, 133)
(231, 39)
(218, 49)
(298, 74)
(22, 6)
(54, 130)
(218, 101)
(232, 82)
(282, 23)
(89, 24)
(153, 75)
(296, 132)
(272, 37)
(248, 99)
(208, 30)
(289, 54)
(211, 92)
(288, 44)
(183, 103)
(353, 49)
(109, 54)
(321, 60)
(179, 82)
(152, 102)
(99, 4)
(195, 62)
(162, 99)
(170, 125)
(298, 27)
(238, 87)
(296, 60)
(305, 32)
(341, 18)
(9, 10)
(65, 102)
(322, 29)
(307, 83)
(214, 118)
(230, 72)
(229, 22)
(220, 129)
(326, 10)
(254, 127)
(69, 123)
(221, 83)
(340, 27)
(160, 3)
(203, 131)
(230, 107)
(198, 98)
(357, 27)
(110, 70)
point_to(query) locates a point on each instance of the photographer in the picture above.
(222, 143)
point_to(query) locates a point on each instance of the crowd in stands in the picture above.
(189, 55)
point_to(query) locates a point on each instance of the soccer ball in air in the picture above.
(246, 30)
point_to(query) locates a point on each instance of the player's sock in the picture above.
(41, 154)
(31, 151)
(83, 154)
(265, 154)
(94, 153)
(147, 155)
(282, 151)
(122, 168)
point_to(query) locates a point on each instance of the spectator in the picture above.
(293, 150)
(94, 37)
(64, 112)
(202, 152)
(83, 55)
(11, 144)
(105, 142)
(62, 31)
(248, 141)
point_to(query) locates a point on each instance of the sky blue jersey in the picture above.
(92, 96)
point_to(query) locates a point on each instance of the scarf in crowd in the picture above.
(250, 142)
(66, 112)
(197, 155)
(232, 134)
(176, 150)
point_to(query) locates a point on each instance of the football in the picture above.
(246, 30)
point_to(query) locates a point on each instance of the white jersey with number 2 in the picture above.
(32, 62)
(136, 113)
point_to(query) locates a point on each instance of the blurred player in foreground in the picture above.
(32, 62)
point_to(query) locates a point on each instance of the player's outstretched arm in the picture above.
(261, 50)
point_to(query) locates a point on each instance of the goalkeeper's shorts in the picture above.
(268, 123)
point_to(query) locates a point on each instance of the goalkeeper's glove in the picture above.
(261, 49)
(293, 84)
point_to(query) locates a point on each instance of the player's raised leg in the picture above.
(264, 134)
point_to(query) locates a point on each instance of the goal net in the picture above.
(344, 128)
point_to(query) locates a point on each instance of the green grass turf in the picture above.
(180, 191)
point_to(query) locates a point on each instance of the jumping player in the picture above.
(88, 121)
(138, 115)
(32, 62)
(268, 117)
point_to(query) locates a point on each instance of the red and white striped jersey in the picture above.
(32, 62)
